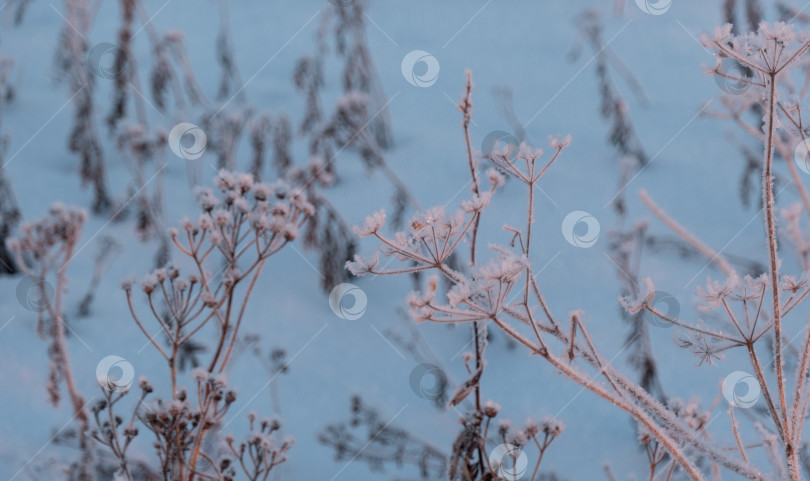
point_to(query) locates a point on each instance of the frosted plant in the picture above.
(248, 225)
(360, 74)
(242, 228)
(613, 108)
(84, 138)
(230, 80)
(9, 209)
(754, 306)
(481, 296)
(44, 251)
(143, 155)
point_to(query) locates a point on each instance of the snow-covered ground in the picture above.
(521, 44)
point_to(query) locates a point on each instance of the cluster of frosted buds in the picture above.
(177, 424)
(185, 297)
(549, 427)
(430, 240)
(480, 297)
(62, 226)
(552, 427)
(259, 452)
(247, 215)
(690, 412)
(768, 50)
(45, 246)
(520, 162)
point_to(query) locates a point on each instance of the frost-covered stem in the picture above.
(241, 314)
(542, 449)
(676, 322)
(66, 369)
(466, 108)
(687, 236)
(173, 366)
(765, 389)
(646, 401)
(529, 222)
(770, 226)
(735, 429)
(799, 402)
(225, 324)
(670, 444)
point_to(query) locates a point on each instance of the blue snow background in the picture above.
(521, 44)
